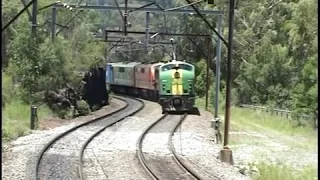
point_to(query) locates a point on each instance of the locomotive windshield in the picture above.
(173, 66)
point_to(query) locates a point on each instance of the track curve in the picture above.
(176, 157)
(81, 175)
(132, 106)
(185, 172)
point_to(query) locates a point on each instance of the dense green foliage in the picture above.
(274, 64)
(37, 64)
(275, 56)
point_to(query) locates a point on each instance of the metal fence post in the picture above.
(34, 118)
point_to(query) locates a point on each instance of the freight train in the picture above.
(171, 84)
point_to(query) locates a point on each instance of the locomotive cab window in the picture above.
(180, 66)
(185, 67)
(142, 70)
(167, 67)
(121, 69)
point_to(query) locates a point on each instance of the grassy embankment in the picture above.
(250, 121)
(16, 119)
(16, 114)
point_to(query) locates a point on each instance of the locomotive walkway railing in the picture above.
(290, 115)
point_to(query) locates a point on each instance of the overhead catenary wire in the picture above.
(66, 25)
(117, 4)
(206, 21)
(24, 5)
(16, 16)
(122, 39)
(172, 9)
(141, 7)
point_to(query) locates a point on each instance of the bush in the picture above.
(63, 113)
(83, 108)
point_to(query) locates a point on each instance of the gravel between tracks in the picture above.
(162, 163)
(193, 142)
(112, 155)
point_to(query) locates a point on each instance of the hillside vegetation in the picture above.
(275, 56)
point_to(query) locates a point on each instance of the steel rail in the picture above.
(178, 161)
(80, 168)
(50, 143)
(175, 156)
(139, 148)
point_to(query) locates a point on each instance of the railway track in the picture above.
(94, 128)
(165, 167)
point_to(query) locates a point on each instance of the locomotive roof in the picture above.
(150, 64)
(155, 64)
(175, 62)
(132, 64)
(121, 64)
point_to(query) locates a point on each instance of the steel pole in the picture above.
(229, 73)
(53, 23)
(218, 59)
(125, 17)
(207, 73)
(34, 18)
(147, 30)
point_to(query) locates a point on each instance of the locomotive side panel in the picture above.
(123, 74)
(155, 75)
(143, 76)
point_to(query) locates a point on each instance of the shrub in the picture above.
(83, 108)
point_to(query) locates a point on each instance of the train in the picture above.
(171, 84)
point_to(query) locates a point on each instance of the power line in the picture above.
(206, 21)
(116, 1)
(66, 25)
(172, 9)
(16, 16)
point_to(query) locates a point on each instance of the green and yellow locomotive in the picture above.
(176, 86)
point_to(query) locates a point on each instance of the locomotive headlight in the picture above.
(177, 75)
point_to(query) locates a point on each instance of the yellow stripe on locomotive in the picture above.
(177, 83)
